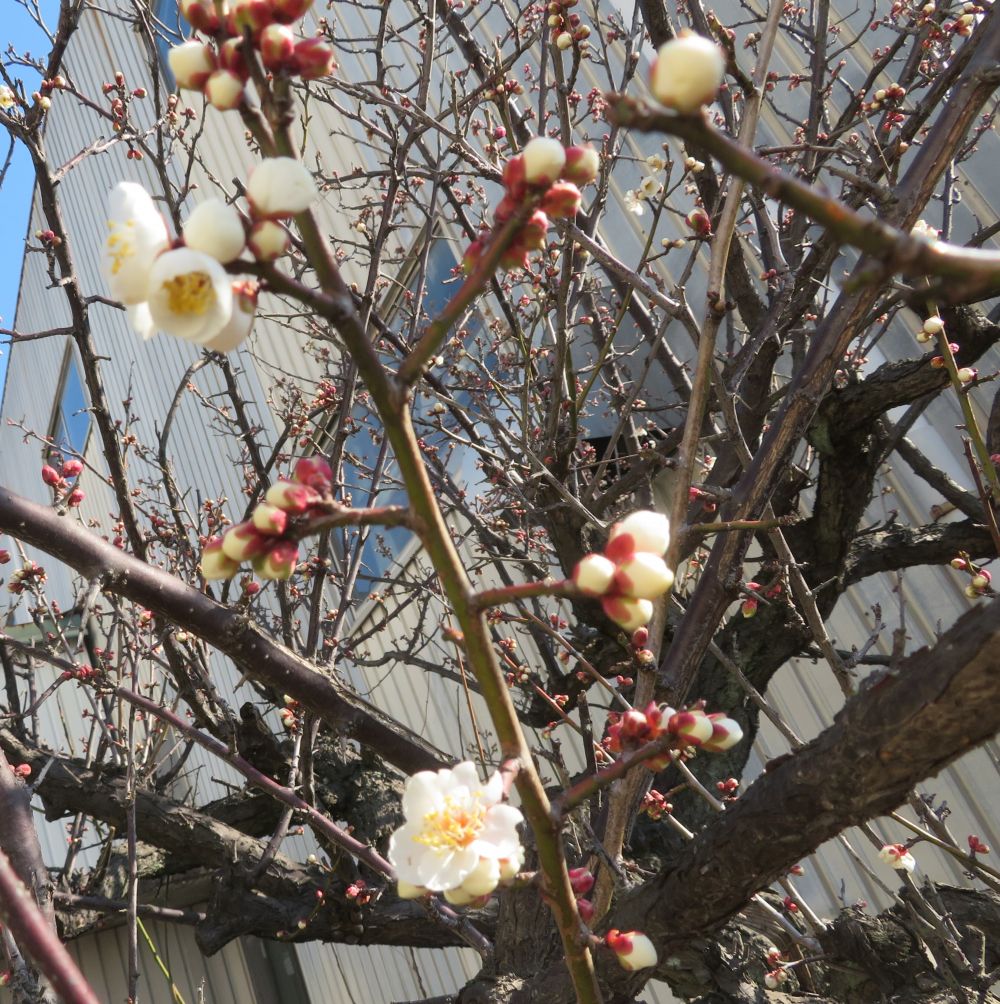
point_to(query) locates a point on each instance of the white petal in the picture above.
(136, 235)
(421, 795)
(141, 320)
(447, 870)
(190, 295)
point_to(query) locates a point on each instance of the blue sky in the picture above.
(15, 194)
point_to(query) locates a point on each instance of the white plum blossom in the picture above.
(453, 820)
(650, 187)
(924, 230)
(687, 73)
(633, 202)
(136, 235)
(898, 857)
(279, 187)
(190, 295)
(141, 320)
(216, 228)
(7, 99)
(240, 324)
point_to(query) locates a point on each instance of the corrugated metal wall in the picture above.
(208, 461)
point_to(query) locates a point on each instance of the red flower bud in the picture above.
(287, 11)
(562, 200)
(313, 59)
(314, 472)
(76, 496)
(72, 468)
(50, 476)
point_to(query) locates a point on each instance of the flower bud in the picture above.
(287, 11)
(726, 733)
(201, 15)
(279, 187)
(514, 180)
(244, 542)
(224, 90)
(232, 56)
(215, 563)
(898, 857)
(270, 519)
(215, 228)
(277, 43)
(582, 164)
(564, 40)
(593, 574)
(51, 476)
(582, 880)
(279, 562)
(700, 222)
(291, 497)
(483, 879)
(314, 472)
(4, 556)
(252, 14)
(72, 468)
(644, 576)
(75, 498)
(510, 867)
(694, 727)
(627, 612)
(934, 325)
(191, 63)
(459, 897)
(967, 374)
(981, 580)
(313, 59)
(268, 240)
(544, 159)
(586, 910)
(633, 949)
(532, 236)
(687, 73)
(404, 890)
(644, 530)
(562, 201)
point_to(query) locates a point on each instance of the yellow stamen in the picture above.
(190, 293)
(455, 826)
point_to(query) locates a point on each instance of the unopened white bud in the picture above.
(644, 576)
(280, 187)
(544, 159)
(687, 73)
(594, 574)
(215, 228)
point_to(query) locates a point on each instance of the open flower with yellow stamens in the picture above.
(453, 821)
(137, 233)
(190, 295)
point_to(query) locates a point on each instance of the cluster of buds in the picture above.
(892, 94)
(631, 572)
(898, 856)
(633, 949)
(290, 715)
(979, 578)
(966, 21)
(23, 577)
(566, 28)
(264, 539)
(359, 892)
(774, 978)
(220, 68)
(692, 728)
(655, 805)
(545, 175)
(22, 770)
(84, 674)
(582, 881)
(976, 846)
(60, 481)
(687, 73)
(749, 605)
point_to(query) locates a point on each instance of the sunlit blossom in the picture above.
(190, 295)
(136, 235)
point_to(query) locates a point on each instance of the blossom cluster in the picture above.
(220, 67)
(548, 175)
(691, 728)
(566, 28)
(264, 539)
(182, 287)
(979, 578)
(459, 837)
(22, 577)
(60, 481)
(631, 572)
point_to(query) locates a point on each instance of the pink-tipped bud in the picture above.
(726, 733)
(215, 563)
(981, 580)
(269, 519)
(51, 476)
(562, 201)
(700, 222)
(232, 56)
(252, 14)
(627, 612)
(586, 910)
(582, 165)
(287, 11)
(513, 179)
(224, 90)
(279, 563)
(694, 727)
(534, 230)
(75, 498)
(959, 563)
(313, 59)
(201, 15)
(314, 472)
(644, 530)
(244, 542)
(291, 497)
(632, 948)
(544, 159)
(582, 880)
(644, 576)
(191, 63)
(72, 468)
(268, 240)
(594, 574)
(277, 43)
(4, 557)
